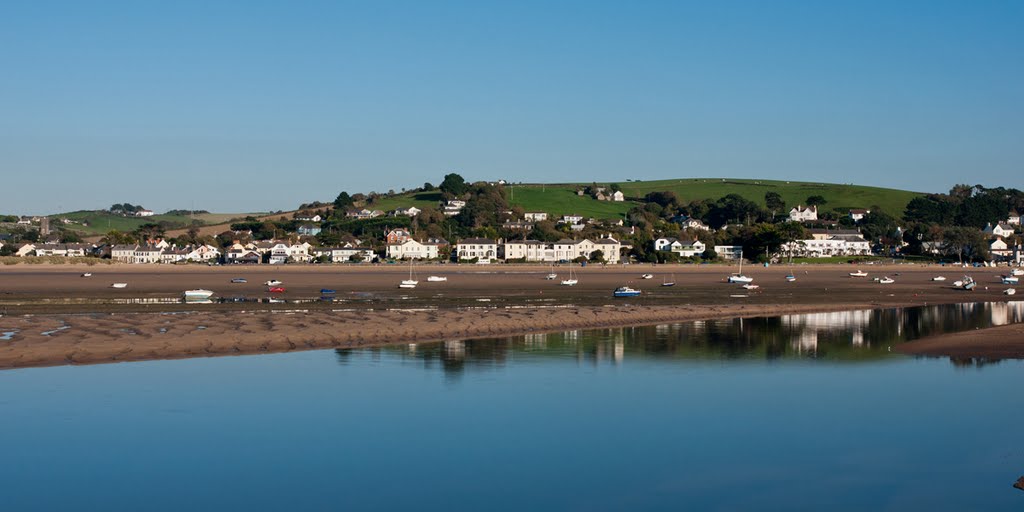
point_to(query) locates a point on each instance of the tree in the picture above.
(428, 187)
(816, 200)
(597, 256)
(665, 199)
(453, 184)
(773, 200)
(343, 202)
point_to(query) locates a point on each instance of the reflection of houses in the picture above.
(805, 329)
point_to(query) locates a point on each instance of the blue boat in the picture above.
(625, 291)
(327, 291)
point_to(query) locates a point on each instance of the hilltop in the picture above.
(561, 198)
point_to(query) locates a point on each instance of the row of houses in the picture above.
(696, 248)
(490, 250)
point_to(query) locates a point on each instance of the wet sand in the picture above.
(1002, 342)
(52, 316)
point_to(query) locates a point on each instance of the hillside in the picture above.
(561, 199)
(92, 223)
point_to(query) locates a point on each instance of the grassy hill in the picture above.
(561, 199)
(98, 222)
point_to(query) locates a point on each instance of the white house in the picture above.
(345, 254)
(618, 196)
(411, 211)
(999, 248)
(1013, 219)
(684, 248)
(144, 213)
(413, 250)
(857, 214)
(535, 216)
(610, 249)
(123, 253)
(24, 250)
(800, 214)
(307, 218)
(729, 252)
(692, 223)
(279, 253)
(537, 251)
(824, 243)
(1000, 229)
(571, 219)
(483, 249)
(147, 254)
(203, 253)
(452, 208)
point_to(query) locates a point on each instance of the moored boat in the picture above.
(625, 291)
(327, 291)
(273, 282)
(276, 289)
(647, 276)
(87, 274)
(859, 273)
(198, 294)
(790, 278)
(1011, 279)
(239, 280)
(938, 278)
(886, 280)
(119, 285)
(437, 279)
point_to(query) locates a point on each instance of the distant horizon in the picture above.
(267, 105)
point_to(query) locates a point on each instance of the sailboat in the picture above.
(739, 277)
(572, 279)
(409, 283)
(666, 283)
(552, 275)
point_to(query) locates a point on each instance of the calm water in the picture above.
(805, 412)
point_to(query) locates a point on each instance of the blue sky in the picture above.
(241, 106)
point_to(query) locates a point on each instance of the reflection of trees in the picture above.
(840, 336)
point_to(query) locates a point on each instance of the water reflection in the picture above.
(839, 336)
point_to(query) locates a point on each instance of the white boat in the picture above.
(409, 283)
(572, 279)
(273, 282)
(198, 294)
(739, 277)
(119, 285)
(1009, 291)
(938, 278)
(647, 276)
(790, 277)
(886, 280)
(87, 274)
(1017, 272)
(552, 275)
(1011, 279)
(667, 283)
(859, 273)
(750, 286)
(436, 279)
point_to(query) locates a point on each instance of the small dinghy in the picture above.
(273, 282)
(750, 286)
(197, 294)
(327, 291)
(437, 279)
(276, 289)
(119, 285)
(239, 280)
(790, 278)
(87, 274)
(625, 291)
(938, 278)
(1011, 279)
(859, 273)
(647, 276)
(1009, 291)
(886, 280)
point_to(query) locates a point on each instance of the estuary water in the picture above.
(800, 412)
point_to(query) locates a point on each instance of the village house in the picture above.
(1000, 249)
(1000, 229)
(203, 253)
(413, 250)
(364, 214)
(345, 254)
(25, 249)
(173, 255)
(452, 208)
(1013, 219)
(397, 236)
(411, 211)
(484, 249)
(518, 225)
(123, 253)
(857, 214)
(729, 252)
(308, 230)
(240, 255)
(825, 243)
(801, 214)
(692, 223)
(535, 216)
(144, 213)
(684, 248)
(146, 254)
(308, 218)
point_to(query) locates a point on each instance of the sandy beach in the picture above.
(52, 316)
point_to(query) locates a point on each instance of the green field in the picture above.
(561, 199)
(843, 197)
(100, 222)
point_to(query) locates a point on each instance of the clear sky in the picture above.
(239, 106)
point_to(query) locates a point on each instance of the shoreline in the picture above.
(1000, 342)
(89, 338)
(51, 316)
